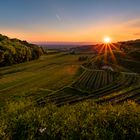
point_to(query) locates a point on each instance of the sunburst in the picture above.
(107, 40)
(107, 50)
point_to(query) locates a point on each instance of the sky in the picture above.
(70, 20)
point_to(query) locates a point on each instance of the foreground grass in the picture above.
(86, 120)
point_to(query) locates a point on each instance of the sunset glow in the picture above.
(66, 21)
(107, 49)
(107, 40)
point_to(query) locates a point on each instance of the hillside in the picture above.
(39, 77)
(14, 51)
(66, 95)
(121, 56)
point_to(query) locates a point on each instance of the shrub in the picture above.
(85, 120)
(83, 58)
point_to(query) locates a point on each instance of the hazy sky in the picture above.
(70, 20)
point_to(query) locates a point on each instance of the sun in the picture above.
(107, 40)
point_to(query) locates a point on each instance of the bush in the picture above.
(83, 58)
(85, 120)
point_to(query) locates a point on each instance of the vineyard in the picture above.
(91, 80)
(58, 93)
(72, 81)
(100, 85)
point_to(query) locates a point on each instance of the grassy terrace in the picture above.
(33, 78)
(57, 78)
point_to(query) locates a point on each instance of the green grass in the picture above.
(85, 121)
(30, 93)
(49, 72)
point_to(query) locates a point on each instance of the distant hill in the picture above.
(126, 56)
(62, 45)
(84, 49)
(130, 45)
(58, 46)
(13, 51)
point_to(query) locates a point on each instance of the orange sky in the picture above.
(70, 20)
(92, 33)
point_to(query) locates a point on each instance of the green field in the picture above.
(50, 72)
(62, 79)
(59, 96)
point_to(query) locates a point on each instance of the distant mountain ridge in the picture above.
(62, 45)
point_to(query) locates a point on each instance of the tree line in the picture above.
(14, 51)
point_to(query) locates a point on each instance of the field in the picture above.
(38, 77)
(62, 79)
(126, 87)
(61, 96)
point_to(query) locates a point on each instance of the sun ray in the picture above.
(105, 54)
(102, 48)
(112, 45)
(117, 48)
(112, 54)
(100, 51)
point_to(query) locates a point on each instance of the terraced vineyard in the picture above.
(91, 80)
(102, 86)
(132, 94)
(68, 84)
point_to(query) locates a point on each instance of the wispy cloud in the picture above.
(134, 23)
(58, 17)
(136, 34)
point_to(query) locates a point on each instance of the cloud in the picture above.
(58, 17)
(135, 23)
(136, 34)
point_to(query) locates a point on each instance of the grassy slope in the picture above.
(50, 72)
(83, 121)
(39, 78)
